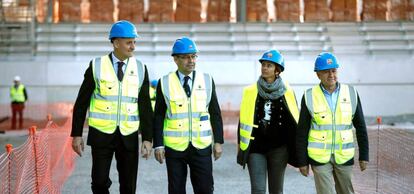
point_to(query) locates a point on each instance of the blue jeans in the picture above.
(274, 163)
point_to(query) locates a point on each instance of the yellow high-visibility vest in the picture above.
(115, 103)
(187, 118)
(17, 94)
(247, 112)
(331, 133)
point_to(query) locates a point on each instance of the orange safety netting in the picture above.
(42, 164)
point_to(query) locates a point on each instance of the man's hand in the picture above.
(77, 145)
(304, 170)
(217, 150)
(159, 155)
(146, 149)
(363, 165)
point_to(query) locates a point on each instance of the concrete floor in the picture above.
(229, 177)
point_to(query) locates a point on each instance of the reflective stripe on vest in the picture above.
(17, 94)
(329, 146)
(187, 119)
(331, 133)
(247, 111)
(114, 103)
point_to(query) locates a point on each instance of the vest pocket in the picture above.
(174, 124)
(204, 122)
(347, 136)
(317, 147)
(103, 106)
(178, 106)
(317, 136)
(173, 133)
(132, 108)
(321, 117)
(102, 124)
(347, 148)
(108, 87)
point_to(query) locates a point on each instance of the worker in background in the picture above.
(268, 120)
(153, 92)
(115, 89)
(330, 112)
(186, 121)
(18, 95)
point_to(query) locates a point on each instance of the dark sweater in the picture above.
(274, 135)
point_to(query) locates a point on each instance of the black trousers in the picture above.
(201, 171)
(126, 163)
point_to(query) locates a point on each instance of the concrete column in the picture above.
(241, 10)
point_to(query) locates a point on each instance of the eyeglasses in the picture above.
(194, 56)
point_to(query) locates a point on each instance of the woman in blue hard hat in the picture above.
(112, 85)
(268, 121)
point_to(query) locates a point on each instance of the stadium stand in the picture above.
(216, 40)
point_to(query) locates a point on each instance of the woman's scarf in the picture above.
(271, 91)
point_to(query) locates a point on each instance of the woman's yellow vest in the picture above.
(17, 94)
(331, 133)
(187, 118)
(114, 103)
(247, 110)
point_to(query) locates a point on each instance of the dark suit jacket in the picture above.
(99, 139)
(159, 116)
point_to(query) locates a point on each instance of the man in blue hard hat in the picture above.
(115, 89)
(187, 122)
(330, 112)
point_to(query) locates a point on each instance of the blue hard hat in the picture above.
(154, 83)
(274, 56)
(123, 29)
(184, 45)
(325, 61)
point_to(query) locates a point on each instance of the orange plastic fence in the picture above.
(391, 168)
(42, 164)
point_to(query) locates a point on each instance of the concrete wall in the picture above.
(386, 86)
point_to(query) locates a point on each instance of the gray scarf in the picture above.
(271, 91)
